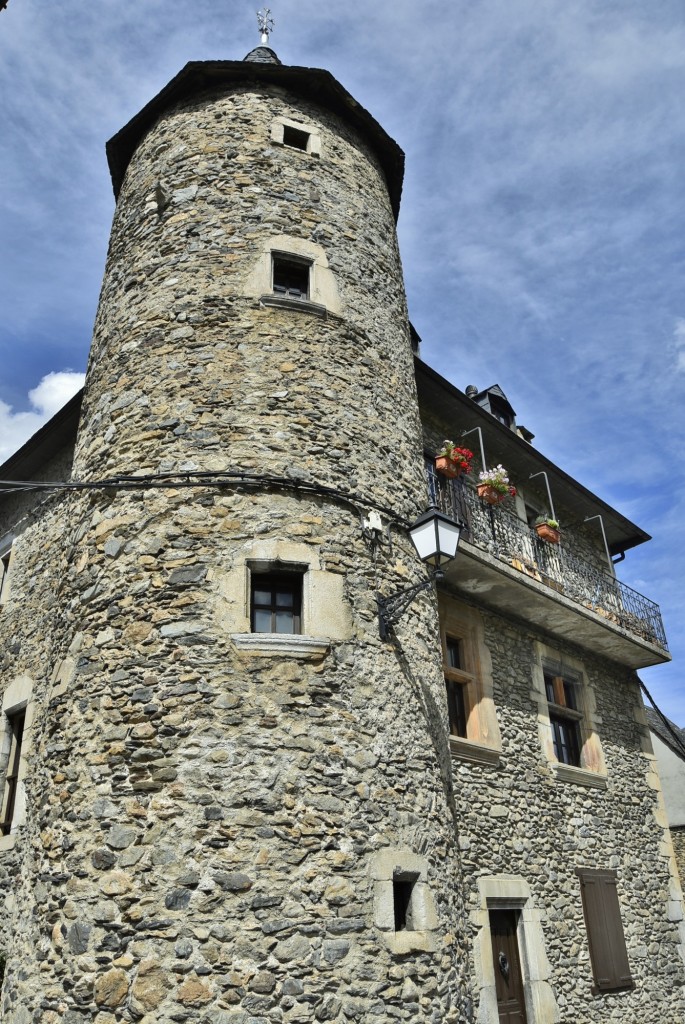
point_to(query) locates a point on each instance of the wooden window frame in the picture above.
(16, 725)
(604, 927)
(565, 719)
(463, 625)
(461, 685)
(290, 582)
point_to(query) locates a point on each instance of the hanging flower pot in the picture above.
(494, 486)
(452, 461)
(548, 530)
(489, 495)
(448, 467)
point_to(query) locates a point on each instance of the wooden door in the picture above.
(505, 954)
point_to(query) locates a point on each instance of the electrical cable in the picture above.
(201, 479)
(678, 739)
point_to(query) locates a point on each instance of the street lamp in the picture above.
(435, 538)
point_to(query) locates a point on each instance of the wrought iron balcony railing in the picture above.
(507, 537)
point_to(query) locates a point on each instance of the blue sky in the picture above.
(542, 224)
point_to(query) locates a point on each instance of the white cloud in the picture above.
(47, 398)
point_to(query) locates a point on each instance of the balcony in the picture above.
(508, 567)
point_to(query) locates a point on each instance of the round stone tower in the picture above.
(244, 810)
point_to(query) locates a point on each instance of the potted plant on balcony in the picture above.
(452, 461)
(494, 485)
(547, 529)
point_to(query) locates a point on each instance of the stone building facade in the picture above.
(668, 741)
(225, 798)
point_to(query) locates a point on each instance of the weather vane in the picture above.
(266, 24)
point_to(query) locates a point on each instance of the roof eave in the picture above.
(314, 83)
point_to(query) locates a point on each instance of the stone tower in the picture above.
(240, 807)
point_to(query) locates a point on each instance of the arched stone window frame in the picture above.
(323, 297)
(326, 616)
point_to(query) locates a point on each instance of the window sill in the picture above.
(402, 943)
(475, 753)
(578, 776)
(299, 305)
(7, 842)
(288, 645)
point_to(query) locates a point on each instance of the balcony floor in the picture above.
(509, 588)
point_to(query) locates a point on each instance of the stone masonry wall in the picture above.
(205, 819)
(517, 819)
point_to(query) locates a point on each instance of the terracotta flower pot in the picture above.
(448, 467)
(548, 533)
(490, 495)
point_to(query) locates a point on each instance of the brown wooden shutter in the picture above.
(606, 940)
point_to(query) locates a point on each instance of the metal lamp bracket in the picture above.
(391, 609)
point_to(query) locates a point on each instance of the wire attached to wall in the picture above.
(202, 479)
(667, 724)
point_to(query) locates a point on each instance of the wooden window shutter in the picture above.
(606, 940)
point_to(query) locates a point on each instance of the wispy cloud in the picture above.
(542, 217)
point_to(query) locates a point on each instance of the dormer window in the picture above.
(501, 411)
(290, 276)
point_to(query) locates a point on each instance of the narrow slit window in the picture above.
(459, 684)
(4, 574)
(15, 724)
(276, 603)
(402, 893)
(291, 277)
(295, 137)
(456, 695)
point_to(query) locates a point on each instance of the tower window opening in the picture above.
(402, 893)
(4, 574)
(295, 137)
(276, 603)
(15, 723)
(291, 277)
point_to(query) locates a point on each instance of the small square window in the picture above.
(290, 277)
(276, 603)
(295, 137)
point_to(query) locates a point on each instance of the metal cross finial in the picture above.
(266, 24)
